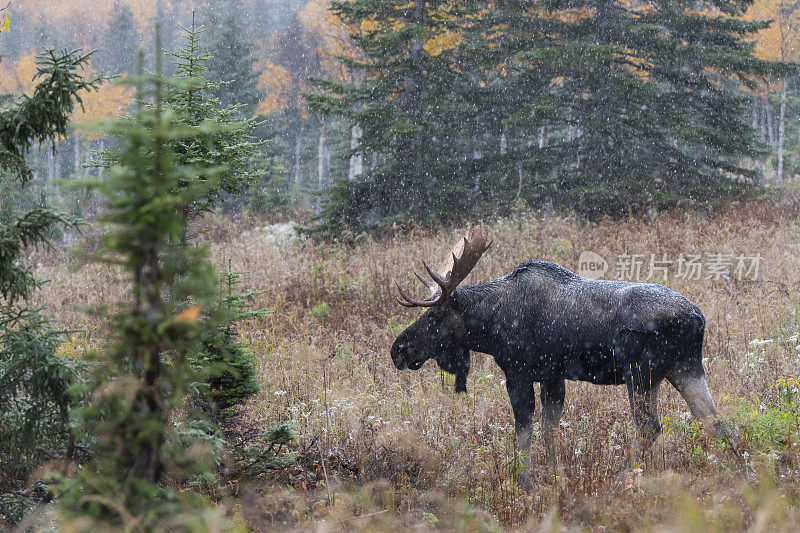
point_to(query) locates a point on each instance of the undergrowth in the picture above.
(373, 448)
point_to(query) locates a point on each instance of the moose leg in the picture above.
(523, 402)
(552, 395)
(461, 371)
(644, 408)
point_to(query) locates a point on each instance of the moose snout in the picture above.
(406, 356)
(398, 356)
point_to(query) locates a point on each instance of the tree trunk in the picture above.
(504, 141)
(77, 153)
(754, 106)
(781, 128)
(770, 123)
(357, 159)
(477, 154)
(763, 118)
(51, 163)
(58, 165)
(323, 164)
(298, 142)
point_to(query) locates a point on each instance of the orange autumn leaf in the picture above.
(442, 42)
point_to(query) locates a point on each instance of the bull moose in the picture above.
(543, 323)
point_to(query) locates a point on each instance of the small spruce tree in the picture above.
(231, 376)
(223, 140)
(223, 145)
(144, 375)
(35, 383)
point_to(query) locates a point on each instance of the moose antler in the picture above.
(457, 266)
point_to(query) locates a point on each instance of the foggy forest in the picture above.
(377, 265)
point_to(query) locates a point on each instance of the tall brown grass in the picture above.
(383, 449)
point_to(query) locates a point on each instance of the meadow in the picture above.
(380, 449)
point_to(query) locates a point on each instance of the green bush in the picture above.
(770, 427)
(320, 312)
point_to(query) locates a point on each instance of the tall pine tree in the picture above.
(410, 115)
(643, 103)
(231, 64)
(121, 41)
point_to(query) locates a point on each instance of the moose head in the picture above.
(441, 331)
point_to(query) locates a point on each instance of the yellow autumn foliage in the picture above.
(443, 42)
(333, 35)
(110, 101)
(16, 77)
(781, 40)
(5, 20)
(278, 82)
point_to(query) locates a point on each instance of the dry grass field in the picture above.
(385, 450)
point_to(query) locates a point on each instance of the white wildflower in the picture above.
(760, 342)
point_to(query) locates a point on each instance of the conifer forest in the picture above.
(380, 265)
